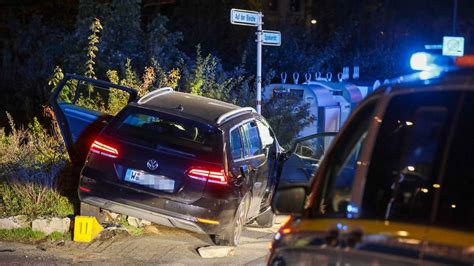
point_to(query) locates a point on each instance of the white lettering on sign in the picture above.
(244, 17)
(271, 38)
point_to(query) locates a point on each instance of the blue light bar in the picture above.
(430, 62)
(422, 61)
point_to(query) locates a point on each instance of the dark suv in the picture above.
(172, 158)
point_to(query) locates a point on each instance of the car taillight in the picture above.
(103, 149)
(218, 177)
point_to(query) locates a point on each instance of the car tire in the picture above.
(231, 236)
(89, 210)
(266, 219)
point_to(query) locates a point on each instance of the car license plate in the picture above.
(149, 180)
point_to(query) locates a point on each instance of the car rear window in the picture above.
(160, 130)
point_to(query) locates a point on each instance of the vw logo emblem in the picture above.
(152, 164)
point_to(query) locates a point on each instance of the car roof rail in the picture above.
(153, 94)
(234, 113)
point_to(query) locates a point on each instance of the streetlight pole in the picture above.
(455, 15)
(259, 63)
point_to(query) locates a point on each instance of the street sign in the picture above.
(453, 46)
(244, 17)
(272, 38)
(264, 37)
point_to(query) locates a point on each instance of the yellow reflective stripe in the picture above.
(207, 221)
(393, 229)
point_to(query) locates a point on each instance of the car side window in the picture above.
(456, 204)
(344, 178)
(93, 97)
(266, 135)
(236, 144)
(401, 180)
(336, 192)
(253, 140)
(245, 141)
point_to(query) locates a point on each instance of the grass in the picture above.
(21, 234)
(29, 236)
(134, 230)
(131, 229)
(56, 236)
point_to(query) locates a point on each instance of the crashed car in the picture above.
(171, 158)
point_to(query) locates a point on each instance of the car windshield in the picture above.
(165, 131)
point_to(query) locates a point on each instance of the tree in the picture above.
(287, 115)
(162, 45)
(122, 36)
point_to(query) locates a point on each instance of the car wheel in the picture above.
(231, 236)
(89, 210)
(266, 219)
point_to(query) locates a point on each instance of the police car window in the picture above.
(402, 176)
(236, 144)
(343, 181)
(455, 208)
(253, 140)
(334, 195)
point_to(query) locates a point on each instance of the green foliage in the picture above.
(33, 200)
(56, 77)
(21, 234)
(122, 36)
(92, 48)
(56, 236)
(149, 57)
(164, 78)
(135, 231)
(287, 116)
(207, 79)
(162, 44)
(92, 100)
(113, 76)
(30, 163)
(131, 79)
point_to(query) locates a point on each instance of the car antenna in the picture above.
(180, 108)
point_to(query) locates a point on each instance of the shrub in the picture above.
(31, 162)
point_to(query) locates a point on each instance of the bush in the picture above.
(31, 162)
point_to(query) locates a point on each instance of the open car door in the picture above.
(82, 107)
(303, 157)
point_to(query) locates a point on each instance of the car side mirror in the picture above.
(289, 200)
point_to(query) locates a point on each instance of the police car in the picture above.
(396, 185)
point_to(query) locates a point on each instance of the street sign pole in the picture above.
(259, 63)
(264, 37)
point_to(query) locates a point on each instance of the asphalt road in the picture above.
(169, 246)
